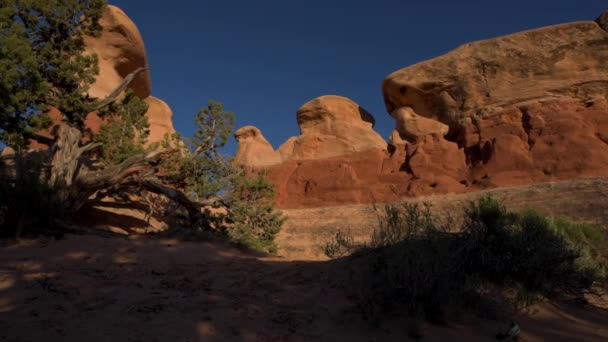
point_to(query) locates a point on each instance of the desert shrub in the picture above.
(340, 245)
(399, 222)
(415, 266)
(522, 250)
(588, 239)
(251, 219)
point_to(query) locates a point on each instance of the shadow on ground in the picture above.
(86, 288)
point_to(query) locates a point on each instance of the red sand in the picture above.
(85, 288)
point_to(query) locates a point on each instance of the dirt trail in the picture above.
(143, 289)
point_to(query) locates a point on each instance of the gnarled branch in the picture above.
(114, 95)
(90, 146)
(42, 139)
(115, 175)
(193, 208)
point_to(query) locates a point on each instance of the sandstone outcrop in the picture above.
(602, 20)
(160, 118)
(523, 108)
(526, 107)
(330, 126)
(254, 149)
(410, 125)
(120, 50)
(488, 76)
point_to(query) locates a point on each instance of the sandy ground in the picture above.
(85, 288)
(137, 288)
(308, 230)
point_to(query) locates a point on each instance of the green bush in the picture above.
(252, 220)
(415, 265)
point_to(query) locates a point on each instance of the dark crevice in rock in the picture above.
(602, 20)
(485, 79)
(527, 126)
(603, 137)
(308, 187)
(478, 154)
(406, 165)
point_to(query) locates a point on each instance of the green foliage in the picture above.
(252, 219)
(214, 126)
(401, 221)
(589, 241)
(416, 266)
(126, 131)
(205, 174)
(42, 63)
(199, 168)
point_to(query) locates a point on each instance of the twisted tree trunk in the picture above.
(64, 167)
(74, 185)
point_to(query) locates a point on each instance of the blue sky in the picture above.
(263, 59)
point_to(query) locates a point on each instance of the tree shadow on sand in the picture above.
(135, 289)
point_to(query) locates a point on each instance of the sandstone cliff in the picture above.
(120, 50)
(523, 108)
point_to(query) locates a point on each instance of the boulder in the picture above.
(411, 126)
(526, 107)
(333, 126)
(120, 50)
(254, 150)
(330, 126)
(160, 118)
(489, 75)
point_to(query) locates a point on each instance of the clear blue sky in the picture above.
(263, 59)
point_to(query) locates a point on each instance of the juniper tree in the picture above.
(44, 65)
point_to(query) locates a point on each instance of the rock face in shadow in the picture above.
(523, 108)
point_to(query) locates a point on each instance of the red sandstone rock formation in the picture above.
(254, 149)
(523, 108)
(330, 126)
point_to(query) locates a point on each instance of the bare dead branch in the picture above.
(193, 208)
(115, 175)
(42, 139)
(122, 87)
(90, 146)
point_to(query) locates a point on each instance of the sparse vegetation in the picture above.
(44, 65)
(418, 265)
(252, 219)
